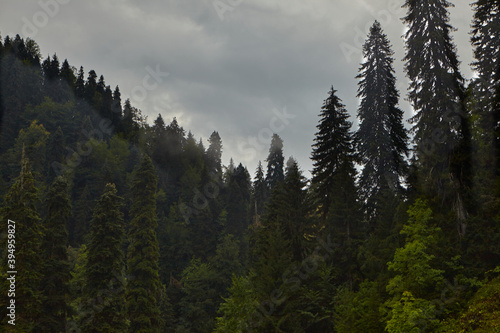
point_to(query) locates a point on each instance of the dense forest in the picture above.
(111, 223)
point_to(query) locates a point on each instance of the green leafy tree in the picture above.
(238, 312)
(359, 311)
(200, 301)
(103, 303)
(56, 270)
(417, 280)
(144, 290)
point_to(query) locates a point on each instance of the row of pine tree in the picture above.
(123, 225)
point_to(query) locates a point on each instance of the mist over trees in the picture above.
(129, 225)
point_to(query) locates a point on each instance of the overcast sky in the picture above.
(245, 68)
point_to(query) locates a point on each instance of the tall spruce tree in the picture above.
(144, 290)
(56, 268)
(238, 193)
(290, 208)
(103, 304)
(334, 186)
(214, 155)
(333, 151)
(484, 232)
(381, 138)
(486, 42)
(260, 193)
(437, 96)
(20, 207)
(275, 162)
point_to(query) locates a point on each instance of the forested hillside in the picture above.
(112, 222)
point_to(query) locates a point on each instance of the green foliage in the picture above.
(33, 141)
(200, 302)
(483, 311)
(413, 262)
(239, 310)
(56, 270)
(412, 315)
(144, 290)
(20, 206)
(359, 311)
(416, 280)
(103, 301)
(78, 259)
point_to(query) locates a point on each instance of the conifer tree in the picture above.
(67, 74)
(144, 290)
(56, 152)
(260, 193)
(381, 138)
(238, 194)
(437, 96)
(56, 268)
(91, 87)
(116, 108)
(483, 233)
(80, 83)
(334, 185)
(486, 42)
(333, 151)
(103, 308)
(275, 162)
(20, 208)
(214, 154)
(290, 208)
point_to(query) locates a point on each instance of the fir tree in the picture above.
(333, 151)
(437, 96)
(260, 193)
(214, 155)
(56, 270)
(116, 108)
(275, 162)
(289, 207)
(67, 74)
(238, 193)
(80, 83)
(20, 208)
(486, 42)
(103, 308)
(381, 138)
(91, 87)
(334, 185)
(56, 152)
(144, 290)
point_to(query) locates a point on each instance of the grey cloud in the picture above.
(227, 75)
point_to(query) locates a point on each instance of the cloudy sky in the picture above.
(245, 68)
